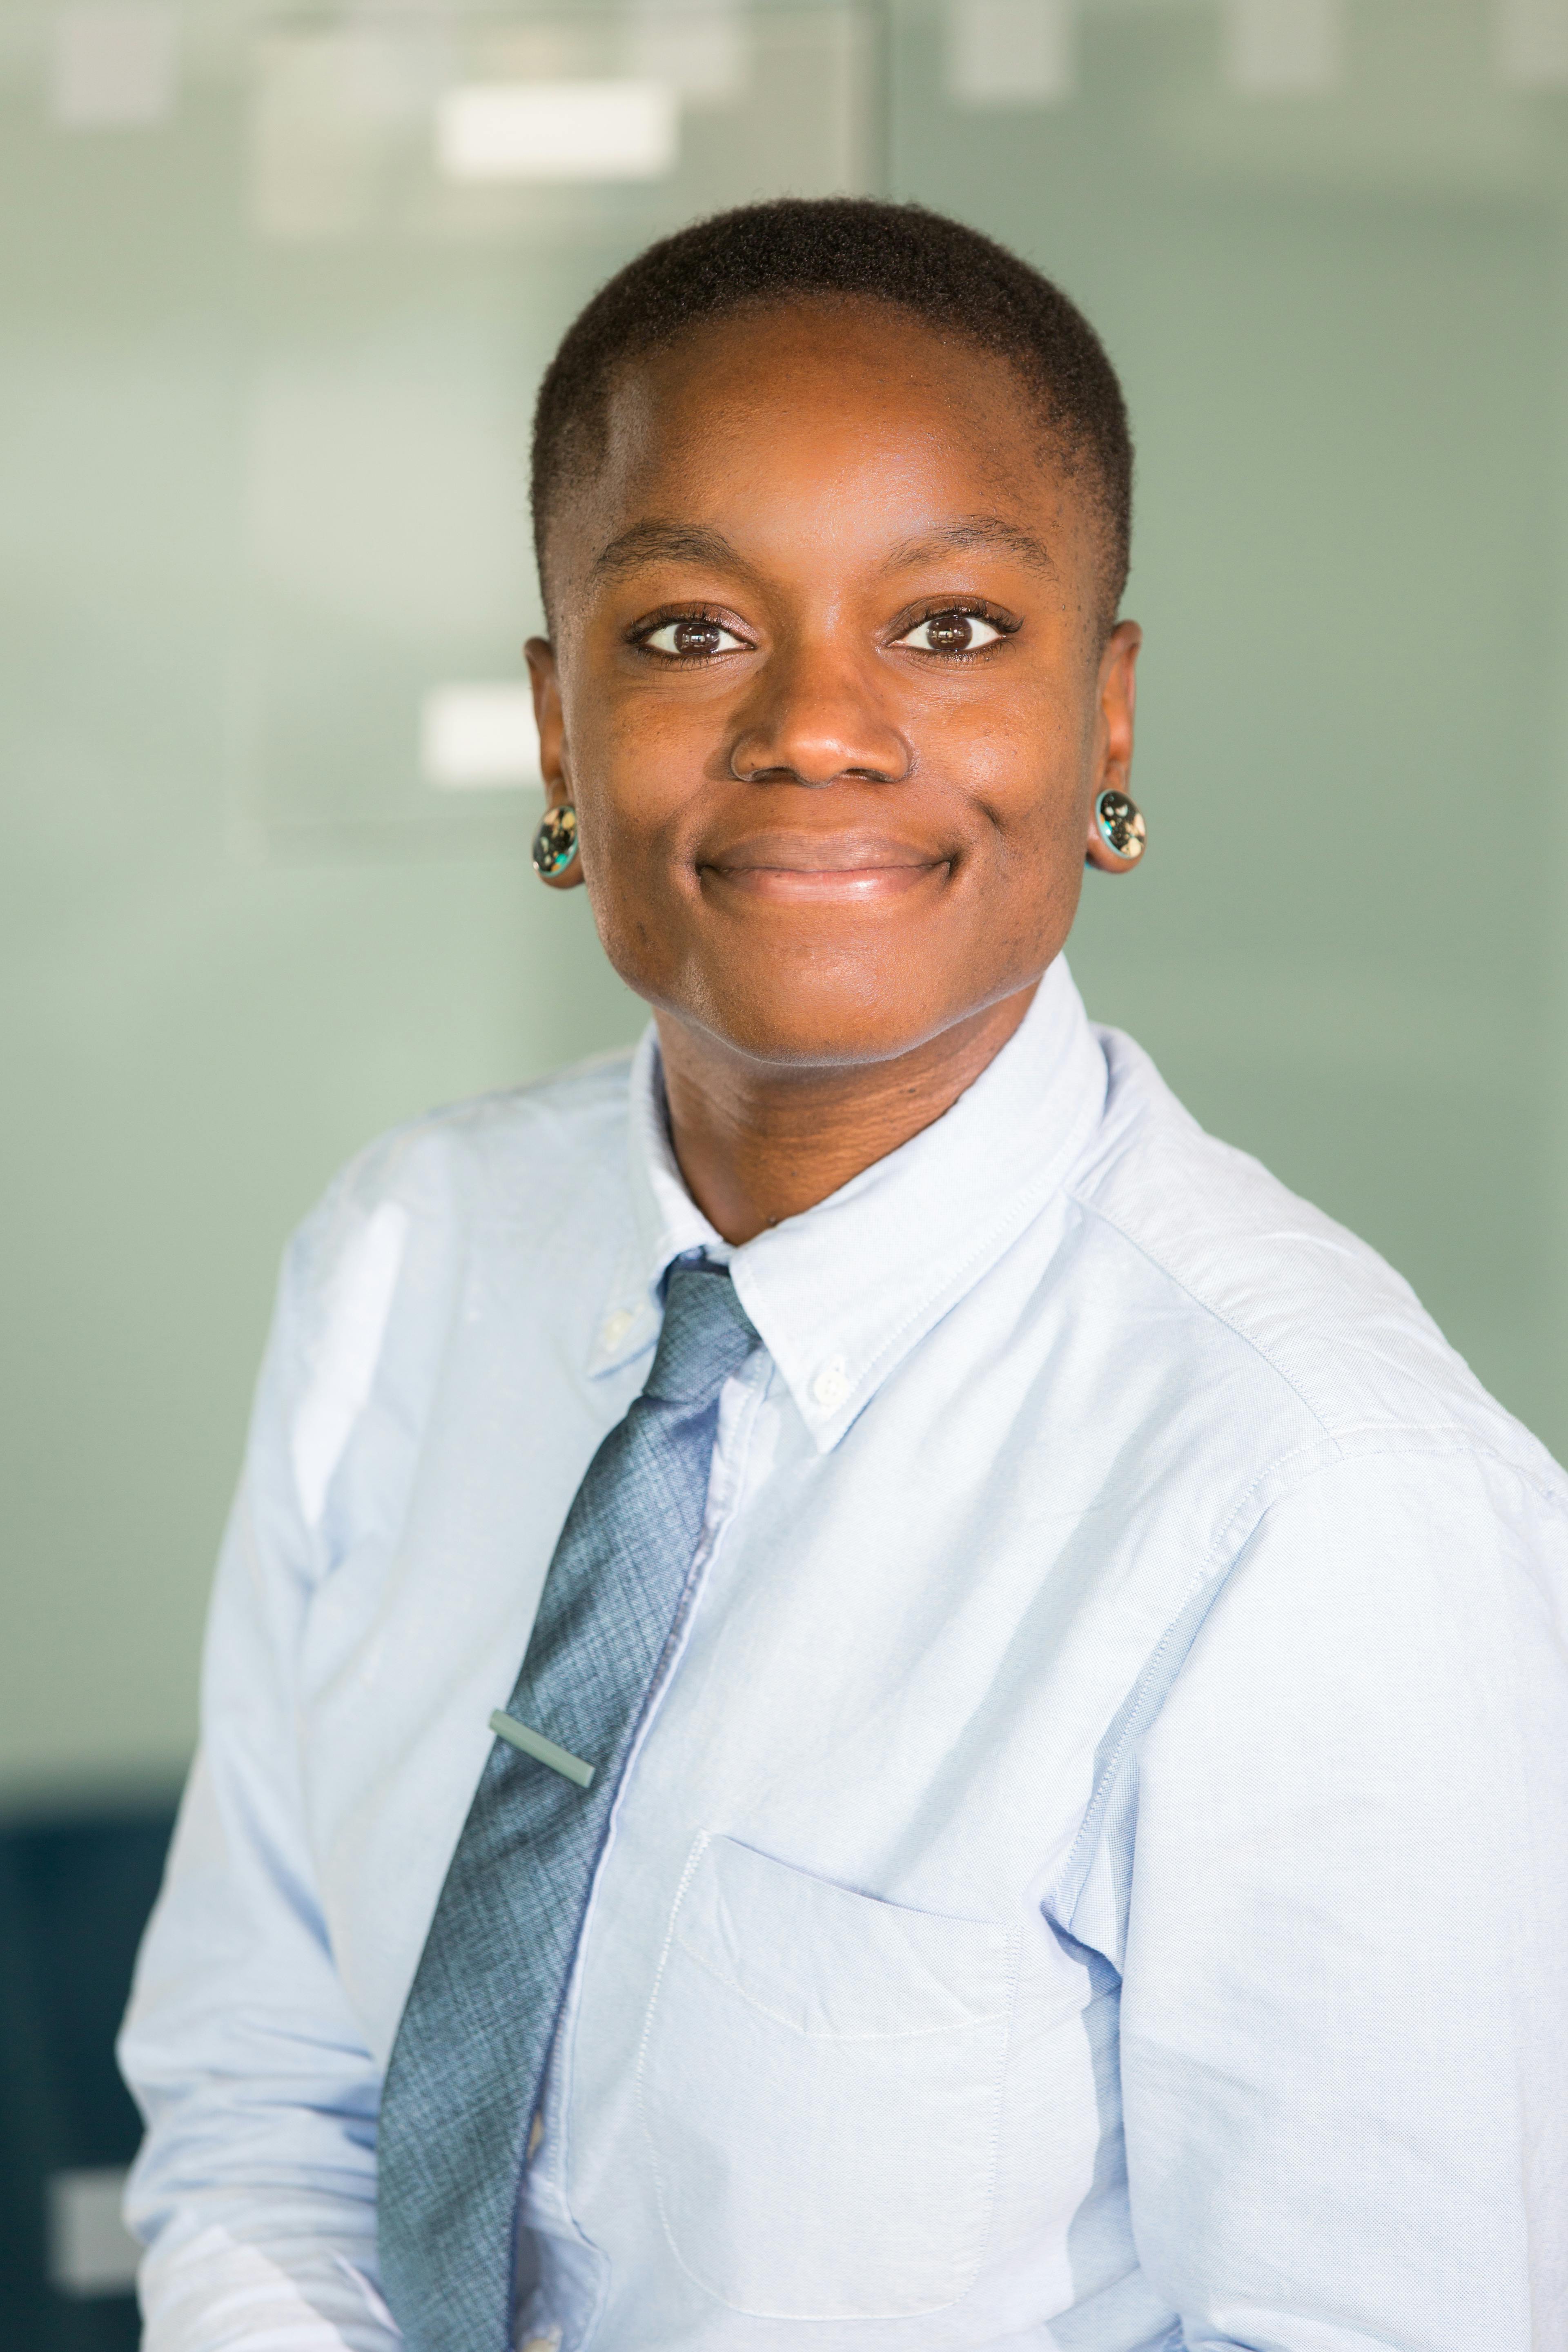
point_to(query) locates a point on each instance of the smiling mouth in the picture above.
(846, 868)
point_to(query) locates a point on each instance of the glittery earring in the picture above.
(555, 842)
(1121, 826)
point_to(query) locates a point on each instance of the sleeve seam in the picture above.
(1431, 1441)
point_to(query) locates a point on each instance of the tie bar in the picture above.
(543, 1751)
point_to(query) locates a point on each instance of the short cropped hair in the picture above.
(960, 283)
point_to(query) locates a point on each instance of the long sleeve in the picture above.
(255, 2190)
(1345, 2003)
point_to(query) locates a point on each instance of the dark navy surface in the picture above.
(75, 1892)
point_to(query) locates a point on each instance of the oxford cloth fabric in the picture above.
(1092, 1875)
(468, 2061)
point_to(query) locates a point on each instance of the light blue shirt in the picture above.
(1095, 1874)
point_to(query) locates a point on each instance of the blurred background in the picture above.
(276, 287)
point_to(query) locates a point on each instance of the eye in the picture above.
(693, 639)
(951, 633)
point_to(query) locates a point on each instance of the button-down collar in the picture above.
(841, 1293)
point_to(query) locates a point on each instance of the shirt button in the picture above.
(831, 1385)
(615, 1327)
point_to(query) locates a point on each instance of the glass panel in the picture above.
(1324, 242)
(265, 374)
(432, 201)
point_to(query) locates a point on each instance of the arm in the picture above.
(1344, 2007)
(255, 2191)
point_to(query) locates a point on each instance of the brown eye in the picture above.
(694, 638)
(951, 633)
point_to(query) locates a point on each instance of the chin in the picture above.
(821, 995)
(814, 1028)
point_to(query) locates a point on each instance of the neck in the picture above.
(758, 1142)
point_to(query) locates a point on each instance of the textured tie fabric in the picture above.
(467, 2068)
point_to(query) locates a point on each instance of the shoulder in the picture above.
(1327, 1338)
(502, 1175)
(522, 1152)
(1381, 1551)
(496, 1151)
(503, 1213)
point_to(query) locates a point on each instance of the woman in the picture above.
(857, 1677)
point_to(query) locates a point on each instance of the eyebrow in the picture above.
(972, 530)
(688, 542)
(691, 543)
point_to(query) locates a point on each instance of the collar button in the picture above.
(615, 1327)
(831, 1385)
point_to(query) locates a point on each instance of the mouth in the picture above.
(837, 868)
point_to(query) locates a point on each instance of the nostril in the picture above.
(784, 774)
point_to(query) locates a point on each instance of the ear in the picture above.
(1117, 693)
(545, 679)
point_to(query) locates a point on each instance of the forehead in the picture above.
(828, 351)
(845, 417)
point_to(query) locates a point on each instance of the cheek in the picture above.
(1028, 769)
(1026, 772)
(637, 761)
(632, 787)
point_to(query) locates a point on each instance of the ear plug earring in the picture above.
(1121, 826)
(555, 842)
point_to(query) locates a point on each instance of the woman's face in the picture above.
(828, 686)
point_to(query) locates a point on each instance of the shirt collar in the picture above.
(841, 1293)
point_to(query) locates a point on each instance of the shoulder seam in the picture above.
(390, 1149)
(1093, 1209)
(1220, 1563)
(1217, 1565)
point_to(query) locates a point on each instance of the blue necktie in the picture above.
(467, 2066)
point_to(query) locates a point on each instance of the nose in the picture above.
(815, 719)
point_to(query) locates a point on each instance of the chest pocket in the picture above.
(820, 2081)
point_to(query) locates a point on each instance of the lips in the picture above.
(856, 869)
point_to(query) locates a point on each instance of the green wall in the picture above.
(1339, 319)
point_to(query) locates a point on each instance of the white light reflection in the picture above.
(91, 2251)
(1283, 48)
(1533, 43)
(114, 68)
(704, 52)
(1011, 52)
(520, 130)
(477, 738)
